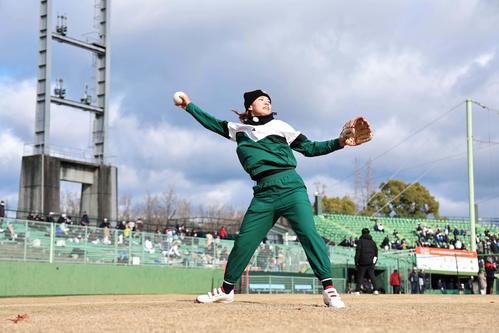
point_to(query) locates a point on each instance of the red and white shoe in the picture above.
(216, 296)
(332, 298)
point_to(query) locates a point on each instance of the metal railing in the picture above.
(26, 240)
(84, 155)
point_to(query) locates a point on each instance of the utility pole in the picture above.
(471, 181)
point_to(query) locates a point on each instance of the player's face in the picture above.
(261, 106)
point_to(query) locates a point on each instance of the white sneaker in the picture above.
(376, 292)
(332, 298)
(216, 296)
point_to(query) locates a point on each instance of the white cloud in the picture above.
(484, 59)
(11, 150)
(17, 105)
(228, 193)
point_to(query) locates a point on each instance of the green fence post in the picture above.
(25, 239)
(51, 248)
(85, 249)
(142, 244)
(115, 247)
(129, 248)
(346, 277)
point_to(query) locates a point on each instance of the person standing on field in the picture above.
(395, 282)
(264, 148)
(490, 269)
(366, 256)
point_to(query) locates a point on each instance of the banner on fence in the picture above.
(446, 261)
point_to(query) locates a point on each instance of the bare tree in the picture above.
(151, 209)
(368, 184)
(364, 183)
(184, 209)
(169, 204)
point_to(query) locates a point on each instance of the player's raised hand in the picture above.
(355, 132)
(181, 99)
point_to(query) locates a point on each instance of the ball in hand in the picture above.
(179, 98)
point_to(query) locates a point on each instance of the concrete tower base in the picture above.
(99, 186)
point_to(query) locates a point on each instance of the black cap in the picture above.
(251, 96)
(365, 231)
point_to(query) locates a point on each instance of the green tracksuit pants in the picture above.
(282, 194)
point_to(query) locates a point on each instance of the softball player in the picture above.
(264, 148)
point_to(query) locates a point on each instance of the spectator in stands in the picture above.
(126, 232)
(11, 233)
(490, 269)
(224, 255)
(84, 221)
(131, 225)
(174, 251)
(395, 234)
(482, 282)
(263, 258)
(395, 282)
(105, 224)
(139, 224)
(414, 281)
(148, 246)
(381, 227)
(63, 228)
(62, 218)
(106, 239)
(447, 229)
(366, 256)
(480, 245)
(280, 259)
(2, 209)
(209, 249)
(50, 217)
(494, 244)
(386, 244)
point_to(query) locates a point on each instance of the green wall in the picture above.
(36, 279)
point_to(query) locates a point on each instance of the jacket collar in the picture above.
(262, 120)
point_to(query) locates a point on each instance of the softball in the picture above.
(178, 98)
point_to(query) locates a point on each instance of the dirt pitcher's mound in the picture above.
(251, 313)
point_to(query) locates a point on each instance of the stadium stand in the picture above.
(337, 227)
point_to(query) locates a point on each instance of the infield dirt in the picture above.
(251, 313)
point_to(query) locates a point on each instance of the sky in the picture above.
(407, 66)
